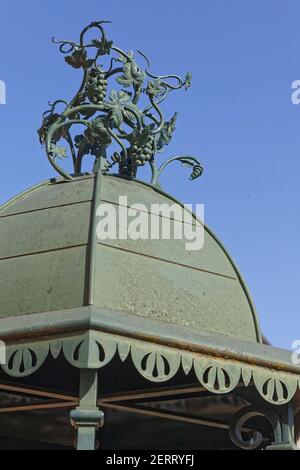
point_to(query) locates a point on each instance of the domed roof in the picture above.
(48, 254)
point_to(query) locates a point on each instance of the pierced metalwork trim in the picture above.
(95, 349)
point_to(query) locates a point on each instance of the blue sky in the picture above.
(237, 117)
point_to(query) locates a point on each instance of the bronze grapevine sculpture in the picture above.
(112, 117)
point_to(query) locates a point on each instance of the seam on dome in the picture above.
(167, 261)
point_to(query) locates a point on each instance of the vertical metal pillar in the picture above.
(87, 417)
(288, 431)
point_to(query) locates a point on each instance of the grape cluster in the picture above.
(96, 86)
(143, 153)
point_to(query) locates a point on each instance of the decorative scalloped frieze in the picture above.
(156, 363)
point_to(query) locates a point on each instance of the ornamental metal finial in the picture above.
(129, 120)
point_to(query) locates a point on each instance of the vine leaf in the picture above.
(47, 122)
(95, 138)
(58, 152)
(83, 144)
(188, 80)
(103, 45)
(116, 104)
(124, 58)
(166, 134)
(88, 113)
(140, 137)
(98, 129)
(79, 59)
(131, 111)
(154, 88)
(132, 75)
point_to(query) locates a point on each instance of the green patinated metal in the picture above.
(87, 418)
(202, 329)
(58, 222)
(98, 304)
(76, 296)
(123, 118)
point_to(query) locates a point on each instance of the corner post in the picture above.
(288, 430)
(87, 418)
